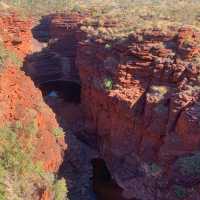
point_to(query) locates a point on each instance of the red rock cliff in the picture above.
(21, 102)
(141, 100)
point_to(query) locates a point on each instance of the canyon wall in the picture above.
(24, 112)
(141, 100)
(140, 97)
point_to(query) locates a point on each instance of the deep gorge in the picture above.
(129, 108)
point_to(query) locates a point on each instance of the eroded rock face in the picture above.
(21, 103)
(149, 116)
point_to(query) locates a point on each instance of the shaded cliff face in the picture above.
(140, 98)
(29, 130)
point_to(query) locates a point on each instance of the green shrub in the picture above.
(60, 189)
(58, 132)
(154, 168)
(189, 165)
(108, 84)
(18, 125)
(108, 46)
(180, 191)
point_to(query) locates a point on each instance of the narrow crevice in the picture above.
(54, 72)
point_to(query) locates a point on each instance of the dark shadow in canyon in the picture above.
(68, 91)
(105, 187)
(41, 31)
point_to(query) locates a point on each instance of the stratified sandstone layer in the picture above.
(141, 102)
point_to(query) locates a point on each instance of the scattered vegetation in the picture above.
(7, 55)
(15, 162)
(20, 177)
(110, 20)
(113, 19)
(32, 127)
